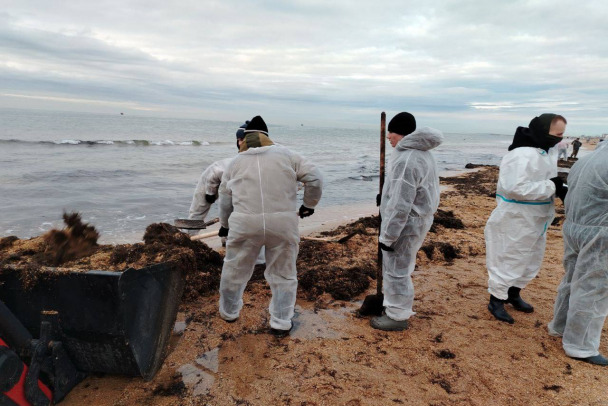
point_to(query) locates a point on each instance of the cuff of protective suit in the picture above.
(388, 243)
(309, 206)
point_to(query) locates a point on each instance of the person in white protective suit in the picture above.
(581, 305)
(410, 198)
(258, 208)
(516, 232)
(206, 191)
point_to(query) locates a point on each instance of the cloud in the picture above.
(338, 63)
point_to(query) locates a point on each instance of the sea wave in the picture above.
(138, 143)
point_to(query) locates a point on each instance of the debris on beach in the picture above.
(75, 241)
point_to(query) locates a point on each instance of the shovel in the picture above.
(373, 304)
(188, 224)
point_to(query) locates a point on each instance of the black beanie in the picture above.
(240, 133)
(256, 124)
(402, 124)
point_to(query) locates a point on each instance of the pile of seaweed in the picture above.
(343, 270)
(75, 248)
(201, 265)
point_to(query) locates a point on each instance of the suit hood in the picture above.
(423, 139)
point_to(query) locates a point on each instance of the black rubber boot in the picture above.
(497, 308)
(517, 302)
(595, 360)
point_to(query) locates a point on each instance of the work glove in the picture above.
(384, 247)
(378, 199)
(305, 211)
(223, 232)
(210, 198)
(560, 189)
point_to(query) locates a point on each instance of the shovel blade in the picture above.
(372, 306)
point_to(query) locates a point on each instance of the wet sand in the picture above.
(454, 353)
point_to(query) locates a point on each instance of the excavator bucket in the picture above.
(111, 322)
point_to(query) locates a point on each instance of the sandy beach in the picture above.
(454, 353)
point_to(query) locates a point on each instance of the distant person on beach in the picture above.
(516, 231)
(576, 145)
(581, 305)
(562, 150)
(409, 200)
(258, 208)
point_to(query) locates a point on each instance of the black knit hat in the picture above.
(240, 133)
(402, 124)
(256, 124)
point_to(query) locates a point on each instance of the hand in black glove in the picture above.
(223, 232)
(378, 199)
(386, 247)
(210, 198)
(305, 211)
(560, 189)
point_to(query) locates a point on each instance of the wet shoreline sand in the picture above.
(453, 353)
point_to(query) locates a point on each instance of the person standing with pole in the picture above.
(410, 198)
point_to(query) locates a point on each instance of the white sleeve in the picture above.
(516, 183)
(307, 173)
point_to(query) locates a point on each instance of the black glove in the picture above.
(385, 247)
(560, 189)
(210, 198)
(378, 199)
(305, 211)
(223, 232)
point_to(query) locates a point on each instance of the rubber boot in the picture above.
(517, 302)
(598, 359)
(385, 323)
(280, 333)
(497, 308)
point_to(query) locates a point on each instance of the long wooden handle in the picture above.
(382, 163)
(203, 236)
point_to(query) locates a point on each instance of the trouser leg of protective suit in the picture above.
(513, 260)
(261, 257)
(588, 293)
(282, 276)
(397, 268)
(562, 301)
(241, 254)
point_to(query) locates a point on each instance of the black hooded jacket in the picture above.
(536, 135)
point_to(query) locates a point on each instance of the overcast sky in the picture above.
(460, 66)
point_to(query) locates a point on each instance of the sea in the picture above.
(124, 172)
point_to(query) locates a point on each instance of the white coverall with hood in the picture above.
(208, 184)
(516, 231)
(581, 305)
(410, 198)
(258, 204)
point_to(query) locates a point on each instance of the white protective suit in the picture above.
(258, 204)
(209, 184)
(581, 305)
(410, 198)
(516, 231)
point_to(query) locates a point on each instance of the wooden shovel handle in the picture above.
(203, 236)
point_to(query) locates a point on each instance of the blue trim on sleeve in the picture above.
(522, 202)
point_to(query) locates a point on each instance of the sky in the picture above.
(460, 66)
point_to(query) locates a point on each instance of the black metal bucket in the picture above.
(112, 322)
